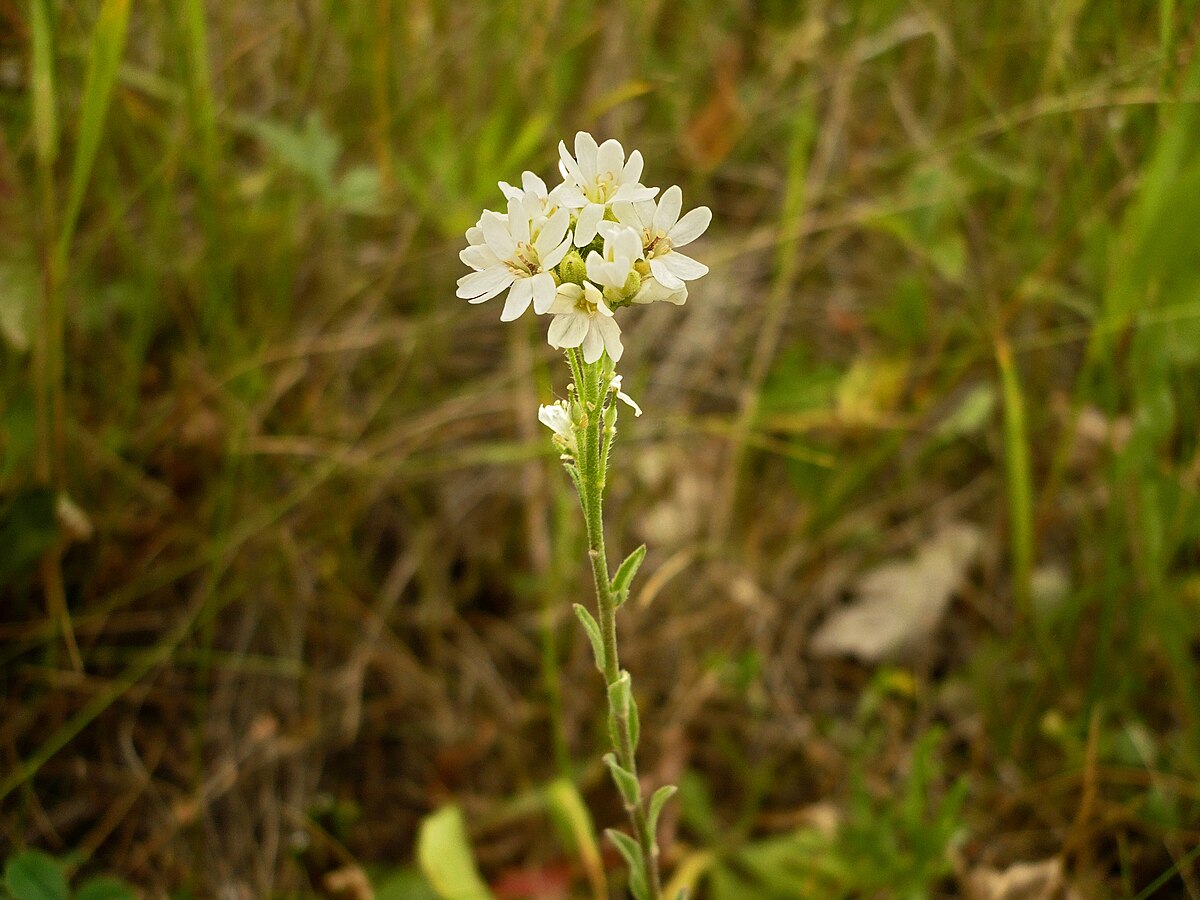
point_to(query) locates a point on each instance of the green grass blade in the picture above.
(45, 119)
(1017, 476)
(104, 59)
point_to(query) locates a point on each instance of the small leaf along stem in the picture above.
(594, 433)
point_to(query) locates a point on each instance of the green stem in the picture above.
(592, 385)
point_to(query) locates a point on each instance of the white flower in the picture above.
(622, 247)
(557, 418)
(621, 242)
(662, 231)
(621, 395)
(582, 319)
(535, 199)
(518, 251)
(596, 177)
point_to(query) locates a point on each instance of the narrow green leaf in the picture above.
(619, 693)
(624, 576)
(108, 46)
(45, 118)
(445, 857)
(626, 781)
(632, 853)
(635, 723)
(33, 875)
(657, 801)
(593, 632)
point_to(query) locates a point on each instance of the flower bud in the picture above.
(632, 284)
(572, 268)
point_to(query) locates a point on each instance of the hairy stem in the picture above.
(592, 386)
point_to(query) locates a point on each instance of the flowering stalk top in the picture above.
(579, 252)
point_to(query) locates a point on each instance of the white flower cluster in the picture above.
(595, 243)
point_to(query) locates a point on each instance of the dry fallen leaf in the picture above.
(899, 604)
(1022, 881)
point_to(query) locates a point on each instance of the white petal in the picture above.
(566, 298)
(552, 234)
(610, 333)
(475, 236)
(621, 395)
(626, 243)
(543, 292)
(495, 232)
(596, 298)
(479, 258)
(634, 193)
(510, 192)
(518, 300)
(567, 165)
(585, 225)
(610, 159)
(533, 184)
(645, 210)
(571, 196)
(663, 274)
(585, 154)
(627, 214)
(690, 227)
(601, 271)
(683, 267)
(480, 286)
(518, 220)
(652, 291)
(632, 173)
(568, 331)
(593, 344)
(555, 256)
(667, 213)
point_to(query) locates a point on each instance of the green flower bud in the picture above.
(572, 268)
(632, 284)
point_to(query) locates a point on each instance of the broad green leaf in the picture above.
(33, 875)
(625, 573)
(28, 528)
(105, 887)
(593, 632)
(312, 152)
(569, 810)
(445, 857)
(360, 191)
(405, 884)
(19, 292)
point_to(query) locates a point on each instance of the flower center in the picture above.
(602, 189)
(525, 261)
(659, 246)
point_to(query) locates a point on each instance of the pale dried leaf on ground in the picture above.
(1022, 881)
(899, 604)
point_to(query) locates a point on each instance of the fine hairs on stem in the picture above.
(597, 242)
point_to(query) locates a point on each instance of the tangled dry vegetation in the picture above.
(920, 490)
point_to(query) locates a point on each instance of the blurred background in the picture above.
(287, 560)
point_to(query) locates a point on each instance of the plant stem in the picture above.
(592, 385)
